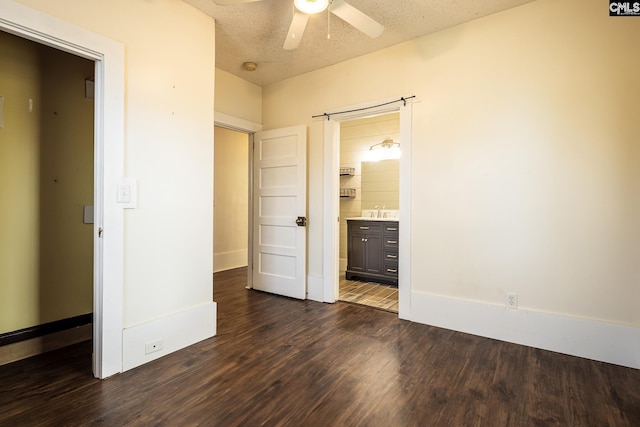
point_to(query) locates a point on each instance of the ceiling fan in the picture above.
(304, 8)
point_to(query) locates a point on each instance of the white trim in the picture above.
(605, 342)
(236, 123)
(250, 213)
(332, 204)
(331, 215)
(176, 331)
(315, 291)
(404, 250)
(25, 22)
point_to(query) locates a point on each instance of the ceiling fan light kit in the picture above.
(311, 6)
(303, 8)
(340, 8)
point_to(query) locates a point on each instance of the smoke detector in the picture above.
(249, 66)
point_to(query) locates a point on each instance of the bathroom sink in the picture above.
(389, 213)
(367, 218)
(379, 215)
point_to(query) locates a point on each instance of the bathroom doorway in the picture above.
(369, 191)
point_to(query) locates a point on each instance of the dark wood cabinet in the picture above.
(372, 250)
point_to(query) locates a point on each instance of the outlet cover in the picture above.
(153, 346)
(512, 300)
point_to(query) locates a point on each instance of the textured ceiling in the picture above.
(256, 32)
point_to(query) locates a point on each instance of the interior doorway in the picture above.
(369, 192)
(47, 159)
(22, 21)
(238, 129)
(331, 225)
(231, 199)
(270, 178)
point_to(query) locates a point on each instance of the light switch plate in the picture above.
(87, 214)
(127, 193)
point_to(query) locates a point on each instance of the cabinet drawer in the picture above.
(390, 269)
(391, 228)
(366, 227)
(390, 255)
(390, 241)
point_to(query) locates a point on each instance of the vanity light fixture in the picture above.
(387, 149)
(311, 6)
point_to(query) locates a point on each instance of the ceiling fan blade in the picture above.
(298, 24)
(359, 20)
(228, 2)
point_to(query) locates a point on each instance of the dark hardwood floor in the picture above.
(282, 362)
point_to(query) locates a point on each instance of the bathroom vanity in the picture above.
(372, 249)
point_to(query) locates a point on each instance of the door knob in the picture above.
(301, 221)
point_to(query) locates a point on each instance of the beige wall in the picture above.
(47, 248)
(231, 199)
(168, 147)
(237, 97)
(525, 157)
(19, 176)
(242, 100)
(66, 185)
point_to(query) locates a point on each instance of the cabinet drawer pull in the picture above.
(392, 228)
(392, 242)
(364, 228)
(392, 270)
(392, 256)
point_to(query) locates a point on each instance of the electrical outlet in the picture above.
(512, 300)
(153, 346)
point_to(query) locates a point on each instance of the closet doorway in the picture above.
(47, 163)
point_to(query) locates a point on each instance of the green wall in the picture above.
(46, 176)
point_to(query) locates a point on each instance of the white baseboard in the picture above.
(176, 331)
(315, 288)
(605, 342)
(228, 260)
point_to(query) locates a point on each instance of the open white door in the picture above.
(279, 211)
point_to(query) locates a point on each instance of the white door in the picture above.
(279, 211)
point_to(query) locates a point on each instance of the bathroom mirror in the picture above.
(380, 184)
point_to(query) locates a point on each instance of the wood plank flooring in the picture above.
(283, 362)
(376, 295)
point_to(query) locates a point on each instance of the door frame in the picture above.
(331, 223)
(108, 230)
(250, 128)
